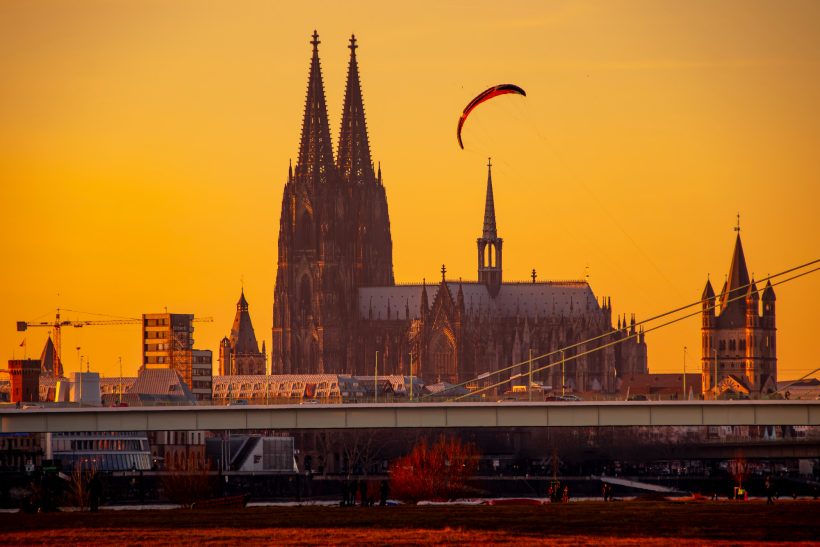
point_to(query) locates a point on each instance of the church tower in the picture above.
(738, 348)
(372, 246)
(489, 244)
(240, 353)
(311, 280)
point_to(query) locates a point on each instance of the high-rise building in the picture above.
(338, 310)
(739, 341)
(239, 353)
(168, 342)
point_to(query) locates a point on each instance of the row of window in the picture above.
(156, 322)
(17, 442)
(739, 345)
(182, 437)
(106, 462)
(98, 445)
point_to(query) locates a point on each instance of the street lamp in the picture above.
(563, 378)
(376, 381)
(529, 388)
(684, 373)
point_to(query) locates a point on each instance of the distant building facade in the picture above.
(202, 374)
(239, 353)
(168, 343)
(101, 451)
(338, 310)
(25, 380)
(739, 342)
(178, 450)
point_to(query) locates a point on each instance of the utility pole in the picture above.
(120, 358)
(529, 388)
(411, 375)
(684, 373)
(563, 377)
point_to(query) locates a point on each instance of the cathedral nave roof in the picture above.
(542, 299)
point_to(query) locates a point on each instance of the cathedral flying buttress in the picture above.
(337, 308)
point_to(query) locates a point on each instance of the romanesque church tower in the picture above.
(738, 340)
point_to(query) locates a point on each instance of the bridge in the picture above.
(411, 415)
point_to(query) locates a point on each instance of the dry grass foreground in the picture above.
(619, 523)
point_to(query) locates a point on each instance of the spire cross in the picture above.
(443, 271)
(353, 45)
(533, 275)
(489, 162)
(737, 228)
(315, 40)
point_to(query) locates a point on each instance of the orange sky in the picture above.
(144, 147)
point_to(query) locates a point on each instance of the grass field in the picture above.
(618, 523)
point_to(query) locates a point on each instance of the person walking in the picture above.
(769, 491)
(363, 492)
(383, 493)
(344, 493)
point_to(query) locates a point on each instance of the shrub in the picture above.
(433, 471)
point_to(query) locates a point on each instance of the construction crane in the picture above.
(59, 323)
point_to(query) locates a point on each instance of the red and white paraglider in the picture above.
(494, 91)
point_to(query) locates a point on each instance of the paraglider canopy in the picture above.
(486, 95)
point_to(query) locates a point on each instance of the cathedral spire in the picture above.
(315, 150)
(489, 207)
(354, 163)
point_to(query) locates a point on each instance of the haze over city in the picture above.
(145, 148)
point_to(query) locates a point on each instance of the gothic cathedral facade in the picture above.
(338, 310)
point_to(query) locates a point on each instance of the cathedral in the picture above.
(337, 308)
(738, 349)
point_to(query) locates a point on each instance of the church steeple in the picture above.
(354, 163)
(737, 280)
(489, 244)
(242, 304)
(315, 163)
(489, 231)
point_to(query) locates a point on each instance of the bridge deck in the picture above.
(411, 415)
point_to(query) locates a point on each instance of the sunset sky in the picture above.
(144, 147)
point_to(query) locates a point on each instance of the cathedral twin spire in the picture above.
(315, 150)
(316, 163)
(353, 159)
